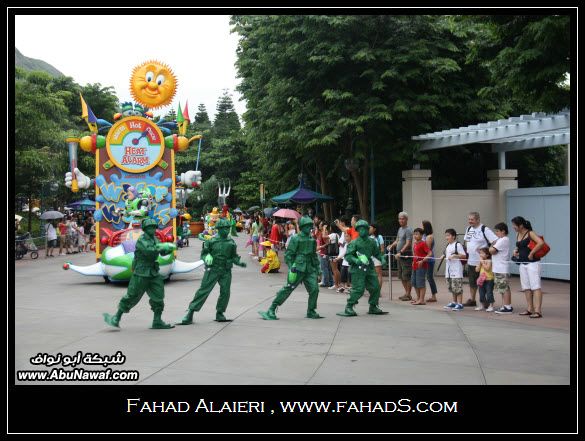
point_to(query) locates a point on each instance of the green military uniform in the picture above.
(301, 258)
(145, 277)
(363, 275)
(219, 254)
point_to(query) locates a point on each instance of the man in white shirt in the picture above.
(51, 239)
(477, 236)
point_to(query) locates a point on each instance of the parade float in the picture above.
(134, 174)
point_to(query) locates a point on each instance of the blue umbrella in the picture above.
(84, 204)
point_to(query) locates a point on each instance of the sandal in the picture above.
(419, 303)
(527, 312)
(536, 315)
(431, 300)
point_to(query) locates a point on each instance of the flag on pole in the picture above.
(88, 116)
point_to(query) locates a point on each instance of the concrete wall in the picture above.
(451, 208)
(548, 210)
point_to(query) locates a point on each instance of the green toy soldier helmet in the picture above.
(223, 223)
(305, 221)
(149, 222)
(361, 224)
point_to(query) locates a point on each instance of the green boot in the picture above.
(188, 319)
(157, 322)
(348, 312)
(312, 314)
(219, 317)
(375, 310)
(269, 315)
(113, 320)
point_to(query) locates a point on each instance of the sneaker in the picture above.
(332, 287)
(479, 308)
(504, 310)
(450, 305)
(457, 307)
(490, 309)
(322, 286)
(470, 303)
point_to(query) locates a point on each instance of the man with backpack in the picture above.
(477, 236)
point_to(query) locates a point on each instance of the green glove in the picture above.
(166, 247)
(242, 264)
(208, 260)
(292, 275)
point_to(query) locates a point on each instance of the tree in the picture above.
(171, 115)
(320, 87)
(201, 117)
(226, 120)
(528, 58)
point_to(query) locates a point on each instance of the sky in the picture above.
(104, 49)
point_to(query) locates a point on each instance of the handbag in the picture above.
(542, 252)
(481, 279)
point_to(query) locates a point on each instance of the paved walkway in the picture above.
(58, 311)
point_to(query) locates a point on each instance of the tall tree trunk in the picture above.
(359, 188)
(324, 190)
(365, 196)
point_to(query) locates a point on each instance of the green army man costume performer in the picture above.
(219, 255)
(363, 275)
(145, 277)
(301, 258)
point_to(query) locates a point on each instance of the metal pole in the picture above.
(198, 153)
(390, 273)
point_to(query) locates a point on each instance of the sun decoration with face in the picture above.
(153, 84)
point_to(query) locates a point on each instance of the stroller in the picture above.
(24, 244)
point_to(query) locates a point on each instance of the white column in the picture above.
(417, 199)
(502, 180)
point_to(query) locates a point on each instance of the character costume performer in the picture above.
(301, 258)
(363, 275)
(270, 263)
(219, 254)
(145, 278)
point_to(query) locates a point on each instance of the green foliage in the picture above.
(527, 57)
(322, 87)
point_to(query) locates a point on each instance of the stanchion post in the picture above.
(390, 273)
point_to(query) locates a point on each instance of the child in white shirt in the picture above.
(500, 251)
(454, 269)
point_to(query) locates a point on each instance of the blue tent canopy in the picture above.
(84, 204)
(301, 195)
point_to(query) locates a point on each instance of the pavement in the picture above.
(61, 312)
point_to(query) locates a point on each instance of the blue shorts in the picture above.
(255, 238)
(418, 278)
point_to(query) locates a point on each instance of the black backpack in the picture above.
(333, 248)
